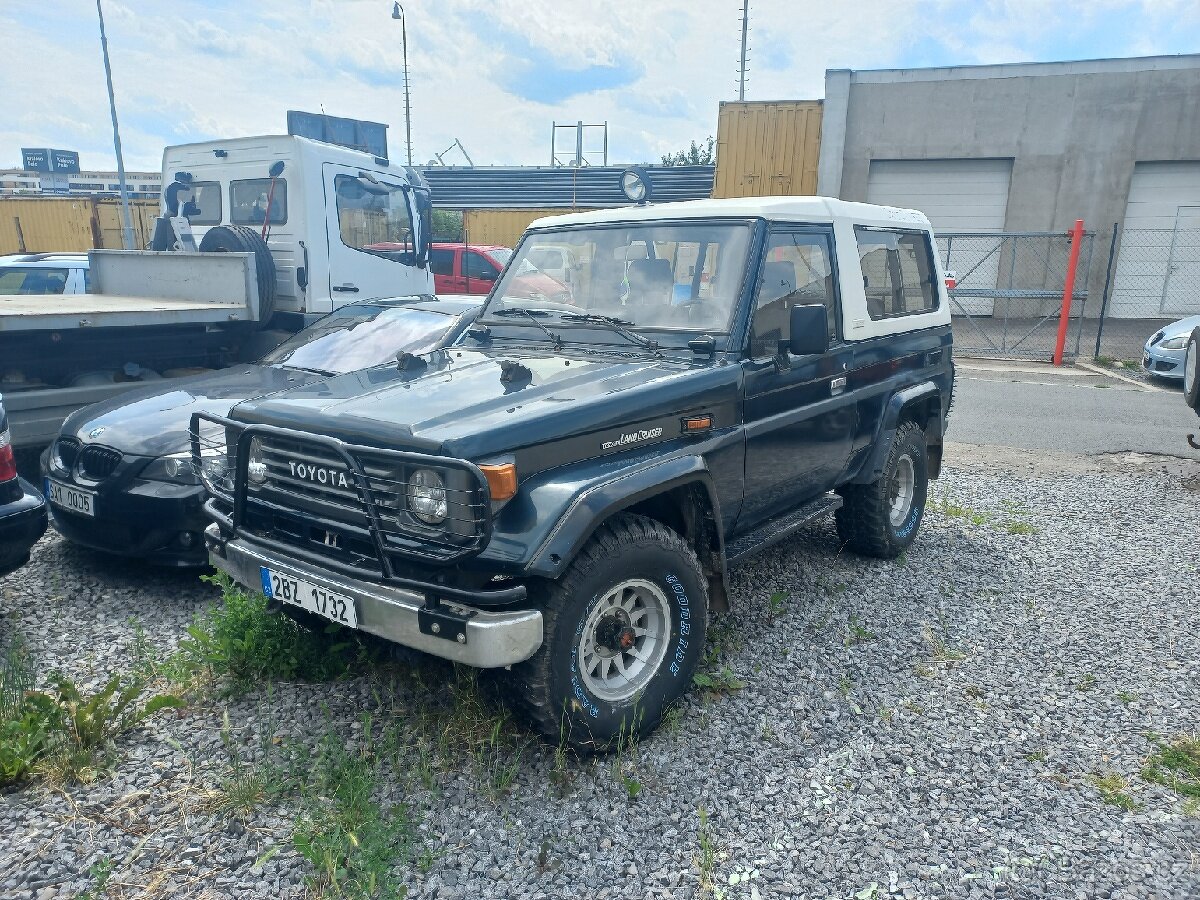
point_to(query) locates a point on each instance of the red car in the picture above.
(474, 268)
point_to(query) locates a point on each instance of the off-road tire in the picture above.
(864, 520)
(549, 689)
(240, 239)
(1191, 371)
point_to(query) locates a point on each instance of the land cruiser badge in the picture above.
(632, 437)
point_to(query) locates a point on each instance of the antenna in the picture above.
(742, 65)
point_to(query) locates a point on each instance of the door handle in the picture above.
(837, 385)
(345, 288)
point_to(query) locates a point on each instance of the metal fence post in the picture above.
(1064, 317)
(1112, 253)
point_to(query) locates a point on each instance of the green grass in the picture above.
(240, 640)
(1126, 697)
(1175, 764)
(1112, 788)
(63, 733)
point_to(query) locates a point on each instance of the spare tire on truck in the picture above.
(240, 239)
(1191, 371)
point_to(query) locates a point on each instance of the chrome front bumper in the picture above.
(493, 639)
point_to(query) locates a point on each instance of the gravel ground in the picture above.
(926, 728)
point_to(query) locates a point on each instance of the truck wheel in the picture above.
(1191, 377)
(623, 632)
(240, 239)
(881, 518)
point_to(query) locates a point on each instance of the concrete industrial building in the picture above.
(22, 182)
(1032, 147)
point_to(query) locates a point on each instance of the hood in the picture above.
(154, 420)
(475, 403)
(1183, 326)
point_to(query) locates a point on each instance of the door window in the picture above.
(32, 281)
(476, 265)
(249, 198)
(897, 268)
(374, 217)
(796, 271)
(441, 262)
(207, 196)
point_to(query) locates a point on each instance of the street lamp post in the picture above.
(127, 238)
(398, 13)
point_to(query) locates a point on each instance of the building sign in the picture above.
(43, 159)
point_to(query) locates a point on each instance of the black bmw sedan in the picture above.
(22, 509)
(119, 476)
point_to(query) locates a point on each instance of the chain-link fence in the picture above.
(1008, 289)
(1155, 280)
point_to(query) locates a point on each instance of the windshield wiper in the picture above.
(324, 373)
(532, 315)
(617, 325)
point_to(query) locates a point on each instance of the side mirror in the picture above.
(809, 329)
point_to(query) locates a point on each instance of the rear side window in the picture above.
(796, 271)
(441, 262)
(478, 266)
(32, 281)
(207, 196)
(897, 268)
(248, 201)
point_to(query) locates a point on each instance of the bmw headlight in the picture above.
(427, 496)
(176, 468)
(1174, 343)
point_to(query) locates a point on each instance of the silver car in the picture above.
(44, 273)
(1164, 352)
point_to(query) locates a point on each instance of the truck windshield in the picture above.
(652, 276)
(361, 336)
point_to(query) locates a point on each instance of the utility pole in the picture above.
(398, 13)
(742, 66)
(127, 239)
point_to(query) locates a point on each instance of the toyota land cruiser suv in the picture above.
(562, 494)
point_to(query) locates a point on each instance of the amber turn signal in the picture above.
(697, 423)
(502, 480)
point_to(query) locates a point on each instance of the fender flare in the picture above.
(598, 501)
(873, 466)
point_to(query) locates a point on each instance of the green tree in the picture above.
(447, 225)
(696, 155)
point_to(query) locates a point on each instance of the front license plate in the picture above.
(71, 499)
(296, 591)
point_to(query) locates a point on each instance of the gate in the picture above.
(1008, 291)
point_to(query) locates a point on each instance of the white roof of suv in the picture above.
(786, 209)
(46, 260)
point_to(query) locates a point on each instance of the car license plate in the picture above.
(71, 499)
(296, 591)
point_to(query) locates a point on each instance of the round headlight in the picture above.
(635, 184)
(427, 496)
(256, 464)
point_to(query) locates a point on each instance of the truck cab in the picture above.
(341, 225)
(561, 495)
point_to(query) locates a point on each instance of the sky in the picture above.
(495, 74)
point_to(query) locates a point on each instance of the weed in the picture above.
(248, 787)
(723, 641)
(706, 862)
(940, 652)
(633, 787)
(1126, 697)
(100, 872)
(1112, 788)
(973, 691)
(346, 835)
(721, 681)
(887, 714)
(1038, 756)
(1086, 683)
(242, 640)
(856, 633)
(777, 604)
(26, 731)
(1105, 360)
(1175, 765)
(1020, 527)
(845, 686)
(672, 719)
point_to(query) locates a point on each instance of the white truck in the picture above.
(259, 237)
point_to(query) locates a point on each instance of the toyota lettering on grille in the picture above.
(319, 474)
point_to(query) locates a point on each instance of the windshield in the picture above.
(651, 276)
(500, 255)
(359, 337)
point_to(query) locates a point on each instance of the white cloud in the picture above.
(195, 70)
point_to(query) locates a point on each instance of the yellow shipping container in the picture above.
(502, 227)
(70, 224)
(768, 148)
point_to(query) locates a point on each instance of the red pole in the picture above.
(267, 215)
(1064, 317)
